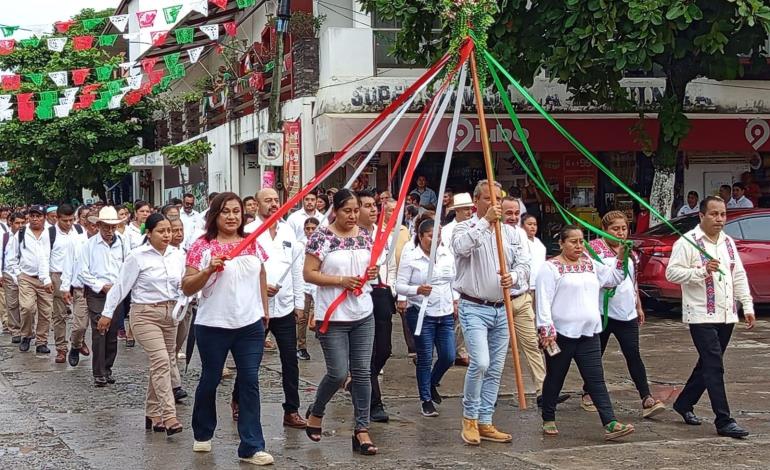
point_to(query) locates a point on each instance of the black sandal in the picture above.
(314, 434)
(363, 448)
(174, 428)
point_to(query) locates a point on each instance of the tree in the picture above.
(51, 160)
(589, 44)
(184, 155)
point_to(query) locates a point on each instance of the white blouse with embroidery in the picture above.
(568, 296)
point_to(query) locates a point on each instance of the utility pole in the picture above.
(281, 28)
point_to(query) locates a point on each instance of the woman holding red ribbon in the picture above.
(337, 260)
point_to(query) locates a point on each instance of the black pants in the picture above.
(104, 347)
(627, 334)
(384, 308)
(586, 351)
(711, 340)
(285, 331)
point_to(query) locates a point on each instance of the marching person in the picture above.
(625, 314)
(711, 286)
(310, 289)
(569, 325)
(73, 293)
(152, 273)
(337, 256)
(537, 250)
(286, 299)
(438, 324)
(60, 236)
(135, 229)
(11, 277)
(691, 206)
(183, 327)
(482, 310)
(102, 258)
(31, 251)
(232, 315)
(51, 215)
(190, 218)
(309, 209)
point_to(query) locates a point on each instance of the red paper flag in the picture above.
(149, 64)
(146, 88)
(79, 76)
(219, 3)
(7, 46)
(63, 26)
(26, 111)
(24, 97)
(133, 98)
(85, 101)
(158, 37)
(288, 62)
(231, 29)
(82, 43)
(156, 76)
(257, 80)
(89, 89)
(11, 82)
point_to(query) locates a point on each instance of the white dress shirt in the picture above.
(446, 233)
(60, 250)
(526, 247)
(685, 210)
(134, 235)
(297, 221)
(32, 256)
(709, 298)
(190, 223)
(538, 252)
(10, 263)
(742, 203)
(150, 276)
(283, 254)
(413, 272)
(73, 264)
(101, 263)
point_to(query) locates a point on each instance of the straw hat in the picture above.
(107, 215)
(461, 200)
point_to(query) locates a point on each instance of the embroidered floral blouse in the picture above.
(568, 296)
(622, 305)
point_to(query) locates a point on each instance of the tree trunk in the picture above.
(182, 181)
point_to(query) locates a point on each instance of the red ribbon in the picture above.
(408, 140)
(379, 242)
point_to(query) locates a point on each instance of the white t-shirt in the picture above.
(231, 298)
(342, 257)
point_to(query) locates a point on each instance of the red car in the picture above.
(750, 228)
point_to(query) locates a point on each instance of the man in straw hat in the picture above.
(102, 257)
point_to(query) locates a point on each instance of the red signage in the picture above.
(292, 151)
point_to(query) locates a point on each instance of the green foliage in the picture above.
(186, 154)
(589, 44)
(52, 160)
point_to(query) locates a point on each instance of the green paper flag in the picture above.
(47, 97)
(92, 23)
(184, 35)
(246, 3)
(177, 72)
(103, 73)
(8, 30)
(100, 104)
(31, 42)
(115, 86)
(165, 82)
(171, 61)
(44, 111)
(36, 78)
(107, 40)
(171, 13)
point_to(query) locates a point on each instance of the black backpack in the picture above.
(52, 232)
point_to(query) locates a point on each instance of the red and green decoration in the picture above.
(465, 15)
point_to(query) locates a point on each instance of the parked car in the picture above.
(750, 228)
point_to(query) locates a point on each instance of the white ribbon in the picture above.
(59, 78)
(195, 54)
(56, 44)
(211, 30)
(180, 309)
(120, 22)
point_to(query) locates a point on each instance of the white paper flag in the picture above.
(119, 21)
(59, 78)
(195, 54)
(61, 111)
(115, 101)
(134, 82)
(132, 36)
(67, 101)
(5, 102)
(70, 93)
(211, 30)
(125, 66)
(6, 115)
(56, 44)
(201, 6)
(135, 71)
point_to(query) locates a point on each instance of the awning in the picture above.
(738, 133)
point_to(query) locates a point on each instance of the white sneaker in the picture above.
(181, 355)
(260, 458)
(202, 446)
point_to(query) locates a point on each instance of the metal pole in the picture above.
(281, 27)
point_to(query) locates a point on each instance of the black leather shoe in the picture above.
(110, 379)
(42, 349)
(100, 382)
(689, 417)
(378, 415)
(24, 344)
(179, 394)
(732, 430)
(73, 357)
(15, 339)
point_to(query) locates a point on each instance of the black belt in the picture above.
(487, 303)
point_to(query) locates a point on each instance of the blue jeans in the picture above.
(347, 347)
(486, 337)
(246, 344)
(438, 331)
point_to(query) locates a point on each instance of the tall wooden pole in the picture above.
(498, 230)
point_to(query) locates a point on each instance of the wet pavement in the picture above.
(51, 416)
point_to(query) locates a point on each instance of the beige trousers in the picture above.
(11, 292)
(182, 329)
(80, 318)
(526, 335)
(34, 302)
(155, 331)
(60, 314)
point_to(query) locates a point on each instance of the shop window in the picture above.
(756, 229)
(385, 32)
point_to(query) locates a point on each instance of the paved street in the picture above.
(51, 417)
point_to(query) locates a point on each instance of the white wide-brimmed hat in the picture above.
(107, 215)
(461, 200)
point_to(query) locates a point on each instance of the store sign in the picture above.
(270, 149)
(757, 132)
(292, 152)
(469, 133)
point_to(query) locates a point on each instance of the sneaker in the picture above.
(260, 458)
(378, 414)
(24, 344)
(42, 349)
(202, 446)
(181, 355)
(428, 410)
(303, 354)
(435, 396)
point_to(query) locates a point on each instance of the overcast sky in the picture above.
(46, 12)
